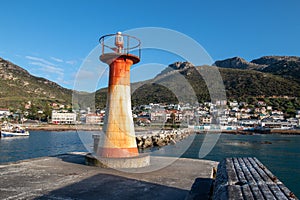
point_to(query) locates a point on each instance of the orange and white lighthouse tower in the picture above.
(119, 136)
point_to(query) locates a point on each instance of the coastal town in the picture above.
(232, 115)
(150, 100)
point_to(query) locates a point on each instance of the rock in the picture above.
(237, 63)
(148, 143)
(173, 141)
(139, 141)
(161, 139)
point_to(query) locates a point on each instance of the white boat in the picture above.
(10, 130)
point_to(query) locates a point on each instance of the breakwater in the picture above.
(161, 138)
(279, 152)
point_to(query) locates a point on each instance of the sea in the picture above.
(279, 153)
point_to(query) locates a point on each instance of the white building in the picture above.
(63, 117)
(223, 120)
(298, 114)
(233, 103)
(4, 111)
(94, 118)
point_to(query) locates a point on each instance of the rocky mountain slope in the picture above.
(238, 63)
(284, 66)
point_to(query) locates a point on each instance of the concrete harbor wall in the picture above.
(67, 177)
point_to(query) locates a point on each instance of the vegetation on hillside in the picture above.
(18, 87)
(264, 78)
(239, 84)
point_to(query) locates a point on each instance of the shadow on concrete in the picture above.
(202, 188)
(71, 158)
(106, 186)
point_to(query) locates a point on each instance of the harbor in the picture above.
(278, 152)
(149, 100)
(67, 176)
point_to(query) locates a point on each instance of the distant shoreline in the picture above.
(271, 132)
(54, 127)
(89, 127)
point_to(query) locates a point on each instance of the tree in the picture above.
(33, 112)
(47, 112)
(173, 116)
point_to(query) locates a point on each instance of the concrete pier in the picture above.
(67, 177)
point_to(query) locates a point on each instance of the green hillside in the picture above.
(239, 84)
(17, 87)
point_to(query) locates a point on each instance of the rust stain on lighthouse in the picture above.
(119, 140)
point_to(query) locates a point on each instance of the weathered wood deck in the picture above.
(248, 178)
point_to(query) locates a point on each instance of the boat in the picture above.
(11, 130)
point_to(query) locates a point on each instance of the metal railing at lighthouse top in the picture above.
(130, 45)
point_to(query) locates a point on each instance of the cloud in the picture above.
(41, 60)
(54, 69)
(71, 62)
(48, 68)
(60, 80)
(57, 59)
(86, 75)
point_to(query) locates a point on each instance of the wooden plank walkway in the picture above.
(248, 178)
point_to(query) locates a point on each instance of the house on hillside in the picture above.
(233, 103)
(298, 114)
(205, 119)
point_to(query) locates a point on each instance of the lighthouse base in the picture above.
(142, 160)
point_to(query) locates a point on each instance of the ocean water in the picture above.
(280, 153)
(38, 144)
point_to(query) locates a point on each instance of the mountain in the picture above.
(238, 63)
(18, 86)
(266, 76)
(239, 83)
(284, 66)
(246, 83)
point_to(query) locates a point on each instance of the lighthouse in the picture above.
(117, 146)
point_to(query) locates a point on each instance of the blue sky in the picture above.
(51, 38)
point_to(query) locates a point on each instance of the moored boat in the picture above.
(10, 130)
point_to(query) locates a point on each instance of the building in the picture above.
(221, 103)
(4, 112)
(206, 119)
(94, 118)
(223, 120)
(63, 117)
(233, 104)
(158, 115)
(249, 123)
(298, 114)
(177, 115)
(261, 103)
